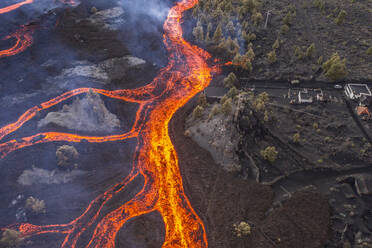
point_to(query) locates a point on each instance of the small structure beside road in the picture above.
(363, 112)
(304, 96)
(357, 91)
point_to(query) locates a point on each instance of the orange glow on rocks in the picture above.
(156, 159)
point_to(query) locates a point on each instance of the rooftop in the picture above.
(360, 89)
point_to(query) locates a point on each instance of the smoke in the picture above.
(143, 30)
(42, 176)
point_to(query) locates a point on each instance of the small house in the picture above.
(304, 96)
(363, 112)
(357, 91)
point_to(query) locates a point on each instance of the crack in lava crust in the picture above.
(155, 158)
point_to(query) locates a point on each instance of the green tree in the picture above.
(202, 100)
(248, 37)
(250, 53)
(335, 68)
(310, 51)
(230, 28)
(260, 102)
(230, 80)
(271, 57)
(256, 18)
(296, 138)
(299, 53)
(217, 37)
(369, 51)
(276, 44)
(284, 29)
(226, 107)
(287, 20)
(198, 32)
(341, 17)
(198, 112)
(270, 154)
(233, 92)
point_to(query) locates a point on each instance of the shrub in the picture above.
(242, 229)
(230, 80)
(310, 51)
(230, 28)
(224, 99)
(215, 111)
(250, 53)
(320, 60)
(271, 57)
(319, 4)
(226, 107)
(35, 205)
(233, 92)
(369, 51)
(296, 138)
(270, 154)
(248, 37)
(299, 53)
(256, 18)
(11, 238)
(217, 36)
(198, 112)
(244, 61)
(341, 17)
(315, 125)
(287, 20)
(335, 68)
(198, 32)
(202, 100)
(260, 102)
(284, 29)
(276, 44)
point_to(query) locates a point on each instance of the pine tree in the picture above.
(217, 37)
(276, 44)
(230, 28)
(198, 32)
(310, 52)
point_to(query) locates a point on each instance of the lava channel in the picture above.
(14, 6)
(155, 159)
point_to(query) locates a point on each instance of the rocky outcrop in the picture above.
(88, 114)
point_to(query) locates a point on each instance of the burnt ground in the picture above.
(223, 199)
(309, 24)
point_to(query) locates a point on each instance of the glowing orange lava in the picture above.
(23, 35)
(23, 38)
(155, 158)
(14, 6)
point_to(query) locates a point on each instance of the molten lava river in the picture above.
(186, 74)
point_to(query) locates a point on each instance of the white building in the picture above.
(304, 96)
(357, 91)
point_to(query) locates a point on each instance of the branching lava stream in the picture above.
(155, 158)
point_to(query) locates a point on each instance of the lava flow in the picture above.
(14, 6)
(23, 38)
(186, 74)
(23, 35)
